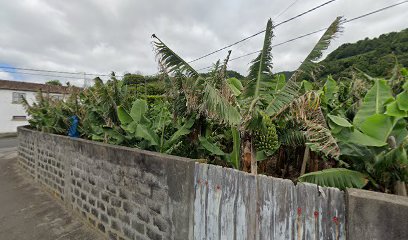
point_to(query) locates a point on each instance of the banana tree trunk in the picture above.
(249, 159)
(306, 158)
(254, 163)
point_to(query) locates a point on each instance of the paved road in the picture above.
(8, 142)
(27, 212)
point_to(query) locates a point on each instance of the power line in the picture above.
(39, 70)
(317, 31)
(286, 9)
(52, 71)
(44, 75)
(376, 11)
(275, 45)
(256, 34)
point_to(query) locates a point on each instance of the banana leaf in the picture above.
(336, 177)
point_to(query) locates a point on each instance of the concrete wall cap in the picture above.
(378, 196)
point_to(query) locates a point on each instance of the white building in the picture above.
(12, 112)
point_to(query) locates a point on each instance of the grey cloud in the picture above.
(109, 35)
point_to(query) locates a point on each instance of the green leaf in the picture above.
(211, 147)
(330, 88)
(262, 65)
(308, 86)
(124, 116)
(378, 126)
(113, 133)
(170, 61)
(235, 86)
(148, 134)
(355, 150)
(340, 121)
(373, 102)
(138, 110)
(400, 131)
(404, 72)
(393, 110)
(358, 137)
(183, 130)
(402, 100)
(284, 97)
(260, 155)
(278, 82)
(308, 65)
(336, 177)
(235, 155)
(393, 162)
(218, 107)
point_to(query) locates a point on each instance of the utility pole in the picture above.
(85, 82)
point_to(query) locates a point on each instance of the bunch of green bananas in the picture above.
(266, 139)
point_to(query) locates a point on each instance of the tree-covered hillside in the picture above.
(373, 56)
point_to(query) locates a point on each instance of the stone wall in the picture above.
(128, 193)
(125, 193)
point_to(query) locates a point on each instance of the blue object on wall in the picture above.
(73, 129)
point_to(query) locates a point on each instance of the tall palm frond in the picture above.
(261, 66)
(291, 90)
(170, 60)
(215, 106)
(309, 64)
(222, 72)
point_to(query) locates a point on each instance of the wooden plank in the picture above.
(266, 210)
(200, 201)
(307, 225)
(228, 199)
(337, 204)
(332, 208)
(214, 193)
(284, 205)
(246, 206)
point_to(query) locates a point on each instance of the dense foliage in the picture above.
(375, 56)
(54, 82)
(353, 130)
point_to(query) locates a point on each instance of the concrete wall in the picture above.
(133, 194)
(8, 109)
(376, 216)
(230, 204)
(125, 193)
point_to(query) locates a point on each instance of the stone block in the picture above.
(373, 215)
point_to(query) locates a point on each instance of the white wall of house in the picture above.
(12, 114)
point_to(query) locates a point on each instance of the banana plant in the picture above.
(207, 99)
(288, 97)
(233, 157)
(375, 141)
(137, 125)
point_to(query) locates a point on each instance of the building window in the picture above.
(57, 97)
(18, 97)
(19, 118)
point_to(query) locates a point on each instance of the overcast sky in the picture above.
(99, 36)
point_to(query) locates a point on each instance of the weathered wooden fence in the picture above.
(230, 204)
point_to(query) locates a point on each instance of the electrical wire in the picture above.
(52, 71)
(38, 74)
(286, 9)
(262, 31)
(317, 31)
